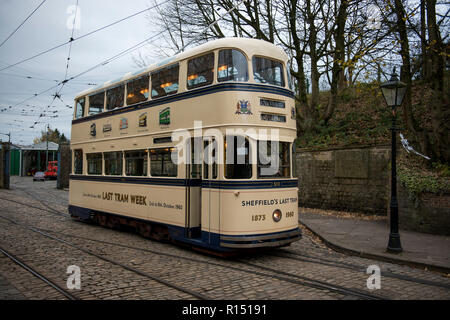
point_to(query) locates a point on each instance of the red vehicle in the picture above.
(52, 170)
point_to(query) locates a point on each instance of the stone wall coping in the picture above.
(321, 149)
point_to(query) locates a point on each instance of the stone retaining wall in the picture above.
(351, 179)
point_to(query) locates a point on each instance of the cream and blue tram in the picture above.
(173, 150)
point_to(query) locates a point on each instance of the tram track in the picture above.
(306, 258)
(111, 261)
(39, 275)
(300, 280)
(350, 266)
(287, 277)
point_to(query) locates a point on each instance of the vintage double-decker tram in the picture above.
(220, 97)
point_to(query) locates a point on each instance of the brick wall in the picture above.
(427, 212)
(352, 179)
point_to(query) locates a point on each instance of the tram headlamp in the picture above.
(276, 215)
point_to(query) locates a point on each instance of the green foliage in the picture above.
(51, 135)
(416, 182)
(443, 169)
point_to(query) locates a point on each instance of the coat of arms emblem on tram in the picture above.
(243, 107)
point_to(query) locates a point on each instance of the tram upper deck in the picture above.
(226, 82)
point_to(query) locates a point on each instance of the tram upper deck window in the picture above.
(79, 107)
(113, 163)
(137, 90)
(237, 158)
(161, 163)
(165, 81)
(96, 103)
(136, 163)
(232, 66)
(268, 71)
(114, 97)
(94, 162)
(273, 159)
(200, 71)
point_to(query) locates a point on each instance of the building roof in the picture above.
(42, 146)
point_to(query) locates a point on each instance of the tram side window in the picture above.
(268, 71)
(114, 97)
(79, 107)
(113, 163)
(96, 103)
(200, 71)
(274, 159)
(237, 158)
(136, 163)
(137, 90)
(232, 66)
(161, 164)
(94, 162)
(165, 81)
(78, 161)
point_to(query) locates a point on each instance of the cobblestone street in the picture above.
(36, 229)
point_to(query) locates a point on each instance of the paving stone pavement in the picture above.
(247, 277)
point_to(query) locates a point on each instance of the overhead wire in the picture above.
(15, 30)
(80, 37)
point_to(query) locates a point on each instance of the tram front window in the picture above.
(268, 71)
(232, 66)
(96, 103)
(79, 111)
(273, 159)
(237, 158)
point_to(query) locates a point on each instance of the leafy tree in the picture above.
(52, 136)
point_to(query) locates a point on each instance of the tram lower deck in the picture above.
(219, 215)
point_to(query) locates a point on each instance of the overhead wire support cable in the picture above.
(80, 37)
(4, 41)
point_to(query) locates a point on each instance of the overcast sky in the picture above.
(46, 28)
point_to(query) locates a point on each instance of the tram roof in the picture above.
(250, 46)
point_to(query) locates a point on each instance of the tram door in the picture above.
(210, 195)
(193, 212)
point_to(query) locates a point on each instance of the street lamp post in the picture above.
(393, 92)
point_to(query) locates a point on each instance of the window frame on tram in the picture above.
(287, 162)
(92, 161)
(82, 105)
(133, 156)
(130, 84)
(282, 76)
(164, 151)
(78, 161)
(248, 165)
(91, 97)
(219, 66)
(157, 82)
(191, 63)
